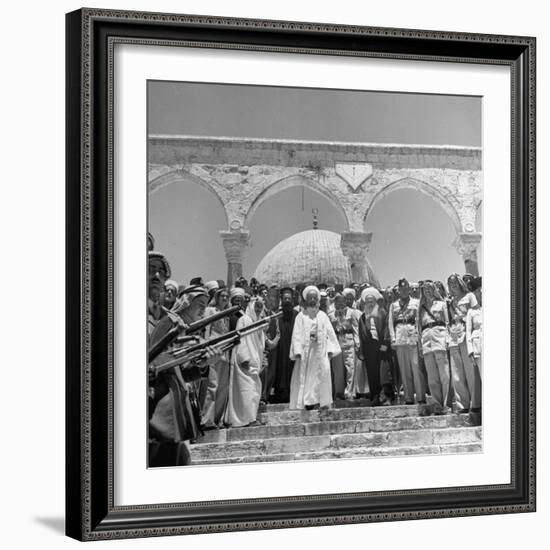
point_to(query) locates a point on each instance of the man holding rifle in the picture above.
(168, 419)
(173, 415)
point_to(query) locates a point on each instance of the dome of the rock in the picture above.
(313, 256)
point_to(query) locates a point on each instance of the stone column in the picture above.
(234, 243)
(355, 245)
(467, 245)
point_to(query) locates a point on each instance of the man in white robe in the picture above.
(245, 385)
(313, 344)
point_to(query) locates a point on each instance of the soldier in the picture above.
(404, 339)
(173, 412)
(433, 322)
(171, 421)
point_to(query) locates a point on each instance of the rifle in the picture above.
(186, 355)
(175, 331)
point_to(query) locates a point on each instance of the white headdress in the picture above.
(311, 288)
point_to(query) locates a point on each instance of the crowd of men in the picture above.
(217, 354)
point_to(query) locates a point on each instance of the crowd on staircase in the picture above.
(308, 345)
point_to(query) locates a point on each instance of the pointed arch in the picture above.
(181, 177)
(426, 189)
(294, 181)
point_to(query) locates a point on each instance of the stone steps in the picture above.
(337, 404)
(249, 450)
(277, 417)
(357, 423)
(349, 429)
(358, 452)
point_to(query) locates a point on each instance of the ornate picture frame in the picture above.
(90, 506)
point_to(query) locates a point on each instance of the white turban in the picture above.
(347, 291)
(370, 291)
(237, 291)
(311, 288)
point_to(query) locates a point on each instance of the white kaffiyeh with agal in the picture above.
(245, 386)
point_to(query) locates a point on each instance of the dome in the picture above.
(313, 256)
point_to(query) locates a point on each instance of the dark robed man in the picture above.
(283, 371)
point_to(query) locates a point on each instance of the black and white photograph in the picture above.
(284, 238)
(315, 267)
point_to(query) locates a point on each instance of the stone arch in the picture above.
(423, 187)
(294, 181)
(181, 177)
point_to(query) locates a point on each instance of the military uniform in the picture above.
(404, 339)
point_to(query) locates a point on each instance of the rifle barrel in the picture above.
(175, 331)
(189, 353)
(242, 331)
(201, 323)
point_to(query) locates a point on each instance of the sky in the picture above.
(412, 235)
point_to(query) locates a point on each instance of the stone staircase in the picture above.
(350, 430)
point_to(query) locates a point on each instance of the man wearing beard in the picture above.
(284, 365)
(314, 343)
(372, 331)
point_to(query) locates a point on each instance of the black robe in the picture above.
(283, 372)
(370, 349)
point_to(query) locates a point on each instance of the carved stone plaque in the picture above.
(354, 174)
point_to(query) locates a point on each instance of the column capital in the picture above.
(355, 245)
(234, 244)
(467, 244)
